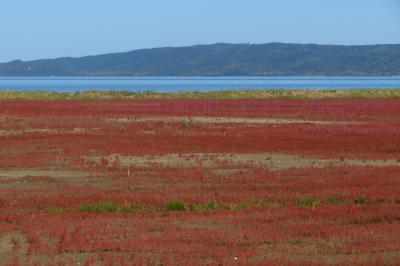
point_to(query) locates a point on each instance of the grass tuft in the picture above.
(175, 205)
(308, 202)
(135, 207)
(99, 207)
(335, 200)
(361, 200)
(55, 210)
(209, 206)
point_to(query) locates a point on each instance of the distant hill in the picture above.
(273, 59)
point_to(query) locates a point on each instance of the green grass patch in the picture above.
(308, 202)
(335, 200)
(209, 206)
(178, 205)
(99, 207)
(361, 200)
(175, 205)
(55, 210)
(214, 205)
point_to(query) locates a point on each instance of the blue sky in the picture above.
(49, 28)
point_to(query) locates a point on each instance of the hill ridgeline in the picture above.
(273, 59)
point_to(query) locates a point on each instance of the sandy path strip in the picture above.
(272, 161)
(228, 120)
(42, 130)
(22, 173)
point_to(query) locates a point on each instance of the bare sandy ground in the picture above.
(41, 130)
(272, 161)
(182, 119)
(22, 173)
(233, 120)
(20, 179)
(13, 244)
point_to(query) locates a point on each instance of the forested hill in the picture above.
(273, 59)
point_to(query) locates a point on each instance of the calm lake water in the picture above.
(169, 84)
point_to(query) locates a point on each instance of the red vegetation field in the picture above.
(200, 182)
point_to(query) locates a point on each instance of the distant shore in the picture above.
(224, 94)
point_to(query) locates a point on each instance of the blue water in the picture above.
(169, 84)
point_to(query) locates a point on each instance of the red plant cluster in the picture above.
(157, 182)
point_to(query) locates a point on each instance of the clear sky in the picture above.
(32, 29)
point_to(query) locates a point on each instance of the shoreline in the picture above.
(222, 94)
